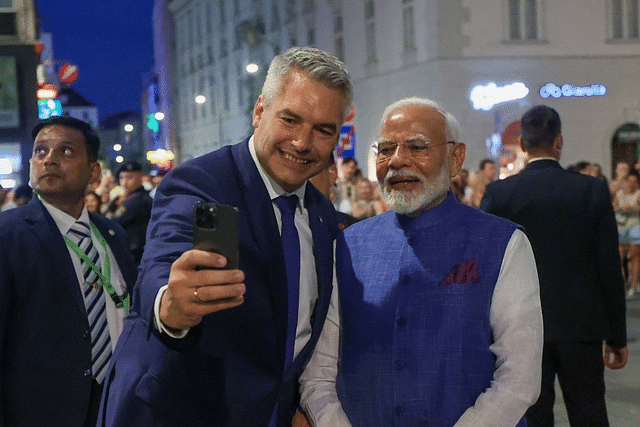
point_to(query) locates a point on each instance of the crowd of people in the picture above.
(355, 303)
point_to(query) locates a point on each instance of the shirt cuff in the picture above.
(161, 327)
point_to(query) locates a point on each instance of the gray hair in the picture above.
(452, 128)
(317, 64)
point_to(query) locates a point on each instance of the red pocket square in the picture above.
(464, 273)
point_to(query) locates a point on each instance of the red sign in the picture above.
(68, 73)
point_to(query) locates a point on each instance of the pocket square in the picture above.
(464, 273)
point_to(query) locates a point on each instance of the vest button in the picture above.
(398, 364)
(401, 321)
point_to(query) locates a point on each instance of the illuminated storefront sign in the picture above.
(48, 108)
(567, 90)
(485, 97)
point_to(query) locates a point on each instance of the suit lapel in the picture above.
(122, 258)
(264, 229)
(46, 230)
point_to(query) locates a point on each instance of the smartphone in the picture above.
(215, 229)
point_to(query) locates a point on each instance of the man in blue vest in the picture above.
(440, 309)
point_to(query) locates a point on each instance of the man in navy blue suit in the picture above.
(207, 346)
(54, 346)
(571, 224)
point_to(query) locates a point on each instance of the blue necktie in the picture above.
(291, 246)
(94, 302)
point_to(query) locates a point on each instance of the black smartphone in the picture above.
(215, 229)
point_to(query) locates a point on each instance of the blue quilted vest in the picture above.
(415, 300)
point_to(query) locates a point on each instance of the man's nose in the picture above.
(401, 157)
(303, 139)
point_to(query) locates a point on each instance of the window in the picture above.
(209, 24)
(198, 26)
(223, 19)
(275, 17)
(370, 31)
(311, 36)
(225, 88)
(190, 27)
(212, 94)
(309, 6)
(210, 56)
(624, 19)
(223, 48)
(338, 37)
(291, 11)
(524, 20)
(408, 26)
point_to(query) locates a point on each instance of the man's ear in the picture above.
(258, 110)
(521, 144)
(457, 157)
(558, 142)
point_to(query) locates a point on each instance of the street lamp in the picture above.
(117, 147)
(201, 99)
(159, 116)
(128, 127)
(252, 68)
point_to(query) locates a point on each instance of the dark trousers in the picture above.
(580, 370)
(94, 404)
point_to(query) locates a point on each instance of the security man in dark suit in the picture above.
(570, 222)
(65, 277)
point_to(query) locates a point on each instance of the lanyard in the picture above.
(103, 274)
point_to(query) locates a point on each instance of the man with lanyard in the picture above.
(65, 281)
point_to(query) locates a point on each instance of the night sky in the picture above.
(111, 43)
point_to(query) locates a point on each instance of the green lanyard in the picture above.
(121, 301)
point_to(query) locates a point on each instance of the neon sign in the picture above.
(568, 90)
(485, 97)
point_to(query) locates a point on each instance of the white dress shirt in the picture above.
(115, 316)
(516, 322)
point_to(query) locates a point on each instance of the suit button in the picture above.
(398, 410)
(398, 364)
(401, 321)
(406, 280)
(87, 373)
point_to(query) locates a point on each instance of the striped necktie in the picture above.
(94, 301)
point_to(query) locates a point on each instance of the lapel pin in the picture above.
(112, 233)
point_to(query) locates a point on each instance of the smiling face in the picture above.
(410, 183)
(296, 133)
(60, 168)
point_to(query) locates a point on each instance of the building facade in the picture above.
(18, 107)
(485, 61)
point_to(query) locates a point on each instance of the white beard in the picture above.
(415, 201)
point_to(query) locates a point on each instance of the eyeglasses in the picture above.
(417, 149)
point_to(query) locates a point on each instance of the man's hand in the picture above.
(615, 358)
(300, 420)
(194, 293)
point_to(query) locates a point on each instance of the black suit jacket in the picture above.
(570, 222)
(45, 343)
